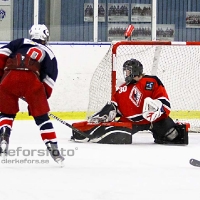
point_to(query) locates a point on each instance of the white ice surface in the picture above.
(140, 171)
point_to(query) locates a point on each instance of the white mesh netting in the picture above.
(176, 65)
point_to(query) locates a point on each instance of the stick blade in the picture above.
(194, 162)
(129, 31)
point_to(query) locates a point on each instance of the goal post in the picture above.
(177, 64)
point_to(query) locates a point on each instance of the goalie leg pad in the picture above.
(116, 135)
(171, 134)
(168, 132)
(161, 127)
(104, 133)
(182, 137)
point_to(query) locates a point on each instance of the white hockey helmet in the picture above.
(39, 32)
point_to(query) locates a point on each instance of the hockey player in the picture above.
(142, 101)
(28, 70)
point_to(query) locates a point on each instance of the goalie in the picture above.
(141, 103)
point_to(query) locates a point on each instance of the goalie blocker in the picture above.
(121, 132)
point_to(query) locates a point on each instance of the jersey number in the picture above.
(36, 54)
(122, 89)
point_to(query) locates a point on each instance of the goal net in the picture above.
(175, 63)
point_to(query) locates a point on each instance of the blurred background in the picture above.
(67, 20)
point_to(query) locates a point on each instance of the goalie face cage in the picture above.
(175, 63)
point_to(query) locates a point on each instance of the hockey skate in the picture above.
(4, 141)
(55, 153)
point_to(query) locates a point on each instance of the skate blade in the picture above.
(60, 162)
(3, 149)
(3, 145)
(3, 156)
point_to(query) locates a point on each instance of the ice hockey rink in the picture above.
(140, 171)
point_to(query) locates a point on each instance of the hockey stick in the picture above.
(65, 123)
(195, 162)
(128, 32)
(70, 126)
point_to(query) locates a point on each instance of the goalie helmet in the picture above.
(132, 68)
(39, 32)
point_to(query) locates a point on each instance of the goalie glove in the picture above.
(152, 109)
(106, 114)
